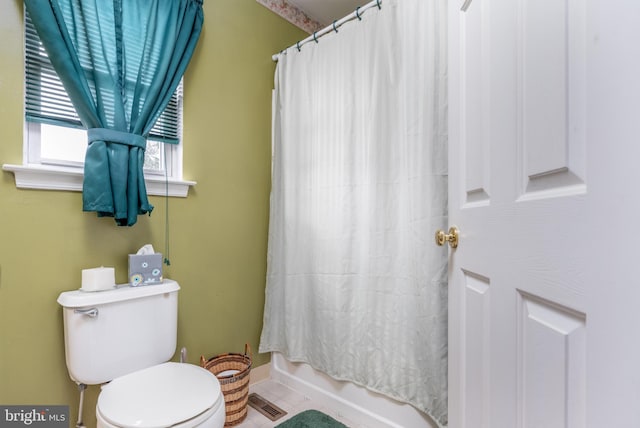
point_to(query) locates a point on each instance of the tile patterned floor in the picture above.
(288, 400)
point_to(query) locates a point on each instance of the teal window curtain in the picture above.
(120, 62)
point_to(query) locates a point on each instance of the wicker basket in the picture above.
(235, 387)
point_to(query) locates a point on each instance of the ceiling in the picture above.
(327, 11)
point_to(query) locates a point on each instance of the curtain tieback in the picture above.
(113, 136)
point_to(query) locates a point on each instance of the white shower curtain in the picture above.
(356, 286)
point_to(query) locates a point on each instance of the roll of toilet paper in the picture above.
(98, 279)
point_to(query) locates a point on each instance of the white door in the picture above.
(544, 163)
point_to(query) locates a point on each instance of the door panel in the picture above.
(476, 339)
(551, 96)
(474, 110)
(551, 364)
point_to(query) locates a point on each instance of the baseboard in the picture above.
(260, 373)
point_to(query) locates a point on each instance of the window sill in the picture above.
(46, 177)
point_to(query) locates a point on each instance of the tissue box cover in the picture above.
(145, 269)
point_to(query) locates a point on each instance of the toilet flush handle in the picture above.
(91, 312)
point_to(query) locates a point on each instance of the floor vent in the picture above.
(266, 407)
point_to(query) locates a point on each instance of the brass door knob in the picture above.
(451, 237)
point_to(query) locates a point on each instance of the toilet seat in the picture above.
(202, 420)
(168, 394)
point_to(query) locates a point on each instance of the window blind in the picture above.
(48, 102)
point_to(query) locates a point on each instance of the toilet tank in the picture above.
(111, 333)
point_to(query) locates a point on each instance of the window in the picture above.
(55, 142)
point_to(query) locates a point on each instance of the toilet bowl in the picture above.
(166, 395)
(123, 340)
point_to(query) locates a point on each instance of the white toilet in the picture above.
(125, 337)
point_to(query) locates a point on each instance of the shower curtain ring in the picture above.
(314, 37)
(334, 27)
(378, 4)
(358, 13)
(298, 46)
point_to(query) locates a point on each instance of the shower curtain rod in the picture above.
(333, 27)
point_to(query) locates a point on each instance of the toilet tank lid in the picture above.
(159, 396)
(79, 298)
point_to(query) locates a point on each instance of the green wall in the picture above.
(218, 235)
